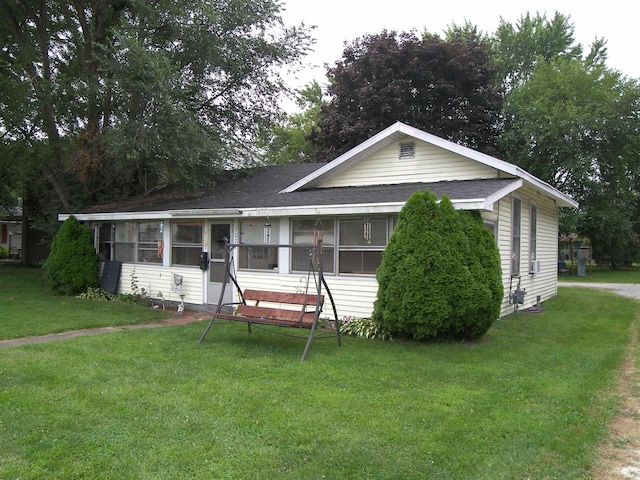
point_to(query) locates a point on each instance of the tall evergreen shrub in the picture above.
(72, 265)
(440, 273)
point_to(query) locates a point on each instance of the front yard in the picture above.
(534, 399)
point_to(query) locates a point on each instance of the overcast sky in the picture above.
(338, 21)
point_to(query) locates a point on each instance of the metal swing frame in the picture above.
(315, 251)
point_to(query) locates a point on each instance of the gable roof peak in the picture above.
(400, 130)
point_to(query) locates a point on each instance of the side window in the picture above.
(150, 247)
(516, 220)
(124, 242)
(533, 238)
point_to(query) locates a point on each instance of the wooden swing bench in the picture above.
(282, 309)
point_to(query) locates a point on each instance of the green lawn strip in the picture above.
(532, 400)
(29, 308)
(602, 274)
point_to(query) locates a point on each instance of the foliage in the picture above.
(533, 401)
(440, 274)
(364, 327)
(532, 41)
(576, 127)
(72, 265)
(288, 141)
(4, 252)
(95, 293)
(152, 92)
(444, 86)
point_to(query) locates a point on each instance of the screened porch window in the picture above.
(130, 242)
(260, 233)
(186, 243)
(362, 241)
(303, 231)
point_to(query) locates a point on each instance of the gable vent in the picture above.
(407, 149)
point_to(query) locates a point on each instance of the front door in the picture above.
(220, 232)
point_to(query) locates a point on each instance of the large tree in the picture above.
(288, 141)
(110, 98)
(533, 40)
(574, 123)
(578, 127)
(444, 86)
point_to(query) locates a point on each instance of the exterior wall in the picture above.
(430, 164)
(156, 278)
(543, 283)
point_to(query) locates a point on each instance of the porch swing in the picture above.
(265, 308)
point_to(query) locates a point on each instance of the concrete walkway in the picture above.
(631, 290)
(178, 320)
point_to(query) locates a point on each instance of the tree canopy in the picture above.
(110, 98)
(445, 86)
(574, 123)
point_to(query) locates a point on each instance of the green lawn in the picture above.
(532, 400)
(603, 274)
(29, 307)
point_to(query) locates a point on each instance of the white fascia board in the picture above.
(561, 199)
(98, 217)
(472, 204)
(503, 192)
(362, 209)
(205, 212)
(369, 208)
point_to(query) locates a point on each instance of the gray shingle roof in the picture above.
(262, 190)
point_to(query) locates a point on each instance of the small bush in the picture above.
(363, 327)
(72, 265)
(102, 296)
(96, 294)
(4, 252)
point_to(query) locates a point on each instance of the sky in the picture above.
(337, 21)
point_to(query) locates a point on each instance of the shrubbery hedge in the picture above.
(72, 265)
(440, 275)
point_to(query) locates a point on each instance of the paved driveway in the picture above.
(627, 289)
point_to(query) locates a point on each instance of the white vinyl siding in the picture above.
(533, 236)
(156, 280)
(353, 295)
(429, 164)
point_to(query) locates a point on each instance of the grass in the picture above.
(532, 400)
(30, 308)
(603, 274)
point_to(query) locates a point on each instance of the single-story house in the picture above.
(355, 199)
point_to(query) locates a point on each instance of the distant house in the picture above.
(355, 199)
(11, 232)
